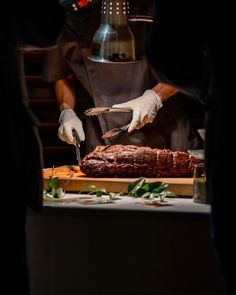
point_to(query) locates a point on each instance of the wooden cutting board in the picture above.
(73, 180)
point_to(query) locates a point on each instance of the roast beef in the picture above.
(133, 161)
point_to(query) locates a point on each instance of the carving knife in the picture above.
(77, 146)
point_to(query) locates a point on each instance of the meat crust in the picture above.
(133, 161)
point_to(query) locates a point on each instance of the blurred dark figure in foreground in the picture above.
(22, 25)
(191, 48)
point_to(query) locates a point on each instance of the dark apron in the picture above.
(112, 83)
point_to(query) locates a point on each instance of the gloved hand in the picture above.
(144, 109)
(69, 121)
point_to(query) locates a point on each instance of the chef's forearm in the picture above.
(164, 90)
(65, 93)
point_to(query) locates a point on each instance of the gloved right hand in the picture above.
(144, 108)
(69, 122)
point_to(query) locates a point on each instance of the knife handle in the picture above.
(76, 137)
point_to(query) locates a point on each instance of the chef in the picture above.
(124, 81)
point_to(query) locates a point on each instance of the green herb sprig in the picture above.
(141, 189)
(93, 190)
(53, 190)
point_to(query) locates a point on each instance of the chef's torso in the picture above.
(111, 83)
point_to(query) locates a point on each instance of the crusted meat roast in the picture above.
(133, 161)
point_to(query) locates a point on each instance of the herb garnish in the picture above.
(141, 189)
(137, 189)
(53, 190)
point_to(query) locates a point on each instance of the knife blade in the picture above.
(77, 146)
(100, 110)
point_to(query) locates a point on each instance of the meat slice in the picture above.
(164, 162)
(133, 161)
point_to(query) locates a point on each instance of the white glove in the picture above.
(69, 122)
(144, 109)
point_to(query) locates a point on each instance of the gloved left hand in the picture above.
(144, 109)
